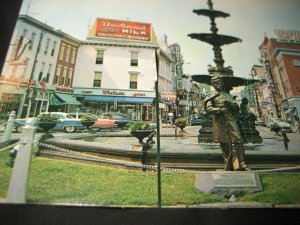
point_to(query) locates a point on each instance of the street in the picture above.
(271, 142)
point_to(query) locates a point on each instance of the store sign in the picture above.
(288, 35)
(110, 92)
(167, 95)
(123, 30)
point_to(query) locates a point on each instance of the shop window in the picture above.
(97, 79)
(133, 81)
(134, 59)
(99, 57)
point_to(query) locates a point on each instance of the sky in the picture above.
(250, 20)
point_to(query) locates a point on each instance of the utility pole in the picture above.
(27, 98)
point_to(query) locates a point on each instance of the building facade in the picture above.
(116, 69)
(281, 60)
(28, 67)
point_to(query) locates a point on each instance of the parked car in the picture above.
(104, 123)
(81, 115)
(284, 126)
(65, 123)
(121, 120)
(195, 120)
(260, 122)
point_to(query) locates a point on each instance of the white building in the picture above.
(116, 69)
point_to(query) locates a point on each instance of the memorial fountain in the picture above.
(249, 133)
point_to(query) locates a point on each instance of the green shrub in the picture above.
(139, 125)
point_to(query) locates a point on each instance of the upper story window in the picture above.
(68, 53)
(69, 79)
(53, 48)
(41, 71)
(32, 39)
(99, 56)
(47, 46)
(296, 62)
(134, 59)
(63, 78)
(133, 81)
(62, 51)
(56, 77)
(48, 72)
(73, 54)
(97, 79)
(24, 33)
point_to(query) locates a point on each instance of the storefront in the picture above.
(132, 103)
(64, 102)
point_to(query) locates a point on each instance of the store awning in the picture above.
(166, 102)
(99, 98)
(59, 99)
(290, 110)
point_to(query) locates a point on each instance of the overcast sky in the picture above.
(249, 20)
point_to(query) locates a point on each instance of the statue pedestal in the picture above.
(229, 183)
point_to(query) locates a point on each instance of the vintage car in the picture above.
(122, 120)
(65, 123)
(280, 124)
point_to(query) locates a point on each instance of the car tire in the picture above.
(70, 129)
(19, 128)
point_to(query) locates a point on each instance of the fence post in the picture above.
(9, 126)
(19, 179)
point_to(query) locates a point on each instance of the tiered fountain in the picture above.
(250, 134)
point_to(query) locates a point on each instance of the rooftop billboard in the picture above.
(123, 30)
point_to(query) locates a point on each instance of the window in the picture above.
(133, 81)
(99, 57)
(24, 33)
(97, 79)
(69, 79)
(68, 53)
(56, 77)
(41, 72)
(65, 74)
(73, 55)
(33, 35)
(296, 62)
(134, 59)
(47, 46)
(49, 72)
(62, 51)
(53, 48)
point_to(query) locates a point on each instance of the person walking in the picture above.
(285, 140)
(171, 117)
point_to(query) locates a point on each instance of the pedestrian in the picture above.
(171, 117)
(285, 140)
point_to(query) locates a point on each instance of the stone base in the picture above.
(229, 183)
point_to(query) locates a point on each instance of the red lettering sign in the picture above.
(123, 30)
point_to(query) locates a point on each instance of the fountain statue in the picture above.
(223, 121)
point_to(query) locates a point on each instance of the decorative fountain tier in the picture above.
(249, 132)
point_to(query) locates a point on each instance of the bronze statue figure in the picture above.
(225, 126)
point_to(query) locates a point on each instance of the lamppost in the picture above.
(27, 98)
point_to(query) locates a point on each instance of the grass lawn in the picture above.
(57, 181)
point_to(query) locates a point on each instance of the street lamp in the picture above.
(255, 93)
